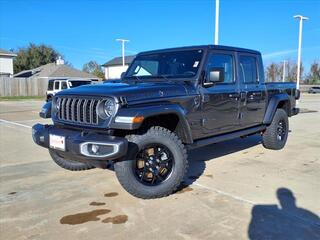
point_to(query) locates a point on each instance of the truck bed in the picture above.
(284, 87)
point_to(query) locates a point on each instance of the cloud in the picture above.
(279, 53)
(287, 52)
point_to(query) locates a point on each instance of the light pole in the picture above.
(216, 33)
(284, 70)
(122, 43)
(301, 18)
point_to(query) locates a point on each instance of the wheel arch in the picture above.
(170, 116)
(278, 101)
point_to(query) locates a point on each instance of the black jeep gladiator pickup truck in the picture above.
(166, 102)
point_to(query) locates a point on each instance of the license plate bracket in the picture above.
(57, 142)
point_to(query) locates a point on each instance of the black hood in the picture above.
(132, 91)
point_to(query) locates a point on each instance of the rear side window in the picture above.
(223, 61)
(248, 69)
(56, 85)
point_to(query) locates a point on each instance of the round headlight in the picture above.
(109, 107)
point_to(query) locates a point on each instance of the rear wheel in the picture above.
(68, 163)
(275, 137)
(156, 165)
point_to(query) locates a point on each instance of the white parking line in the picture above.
(287, 214)
(29, 120)
(14, 123)
(224, 193)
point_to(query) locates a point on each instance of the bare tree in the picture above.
(314, 75)
(273, 72)
(292, 71)
(94, 68)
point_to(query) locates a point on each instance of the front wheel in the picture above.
(156, 164)
(276, 134)
(68, 164)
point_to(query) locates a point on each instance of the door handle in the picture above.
(255, 94)
(234, 95)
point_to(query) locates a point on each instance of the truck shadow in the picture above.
(283, 221)
(198, 157)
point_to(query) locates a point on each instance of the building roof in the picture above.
(7, 53)
(117, 61)
(51, 70)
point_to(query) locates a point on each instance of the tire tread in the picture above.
(122, 172)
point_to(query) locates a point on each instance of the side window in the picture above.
(50, 85)
(224, 61)
(248, 69)
(64, 85)
(56, 85)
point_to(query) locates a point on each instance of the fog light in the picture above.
(94, 148)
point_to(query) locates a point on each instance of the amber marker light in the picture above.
(138, 119)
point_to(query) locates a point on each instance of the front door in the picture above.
(220, 103)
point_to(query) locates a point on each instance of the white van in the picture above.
(57, 85)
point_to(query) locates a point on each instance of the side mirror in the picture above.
(122, 75)
(215, 75)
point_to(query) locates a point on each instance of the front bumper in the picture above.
(78, 144)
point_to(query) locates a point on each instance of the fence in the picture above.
(22, 86)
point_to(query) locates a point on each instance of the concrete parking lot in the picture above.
(234, 190)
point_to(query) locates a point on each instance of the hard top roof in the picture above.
(205, 47)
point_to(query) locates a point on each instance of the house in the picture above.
(6, 63)
(114, 67)
(55, 70)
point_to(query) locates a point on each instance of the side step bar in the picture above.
(227, 136)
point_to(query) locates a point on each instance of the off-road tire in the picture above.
(270, 136)
(67, 163)
(124, 169)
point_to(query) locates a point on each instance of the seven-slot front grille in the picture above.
(78, 110)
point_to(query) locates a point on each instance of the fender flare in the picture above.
(272, 106)
(150, 111)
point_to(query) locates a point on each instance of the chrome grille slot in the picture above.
(78, 110)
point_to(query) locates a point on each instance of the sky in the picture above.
(84, 30)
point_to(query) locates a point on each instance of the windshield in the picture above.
(177, 64)
(78, 83)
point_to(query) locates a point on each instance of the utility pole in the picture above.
(301, 18)
(284, 70)
(216, 33)
(122, 43)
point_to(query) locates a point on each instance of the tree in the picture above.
(292, 71)
(273, 72)
(94, 68)
(34, 56)
(314, 75)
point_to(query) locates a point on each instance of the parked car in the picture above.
(168, 101)
(57, 85)
(314, 90)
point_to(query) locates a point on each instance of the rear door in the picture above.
(253, 90)
(220, 103)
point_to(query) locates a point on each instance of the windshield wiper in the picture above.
(136, 78)
(164, 77)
